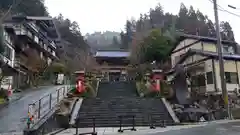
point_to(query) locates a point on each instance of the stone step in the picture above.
(120, 99)
(113, 89)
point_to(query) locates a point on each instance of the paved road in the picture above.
(13, 117)
(223, 127)
(231, 128)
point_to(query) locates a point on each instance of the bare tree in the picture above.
(36, 65)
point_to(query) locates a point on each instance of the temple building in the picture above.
(112, 63)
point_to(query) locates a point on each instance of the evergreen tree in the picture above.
(26, 7)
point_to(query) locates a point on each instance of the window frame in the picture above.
(230, 78)
(208, 75)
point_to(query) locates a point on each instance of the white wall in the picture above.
(181, 45)
(209, 68)
(229, 66)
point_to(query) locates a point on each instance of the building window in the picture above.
(209, 77)
(45, 46)
(30, 34)
(36, 39)
(49, 49)
(177, 58)
(7, 52)
(201, 80)
(231, 77)
(228, 49)
(198, 80)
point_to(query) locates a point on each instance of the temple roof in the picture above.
(112, 54)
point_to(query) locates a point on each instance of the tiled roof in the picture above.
(183, 36)
(203, 38)
(212, 55)
(207, 54)
(114, 54)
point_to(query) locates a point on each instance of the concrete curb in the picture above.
(74, 112)
(170, 110)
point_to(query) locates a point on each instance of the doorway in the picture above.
(114, 76)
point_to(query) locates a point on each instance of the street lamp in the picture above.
(233, 7)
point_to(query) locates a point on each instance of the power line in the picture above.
(224, 10)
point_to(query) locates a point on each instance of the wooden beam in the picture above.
(186, 46)
(196, 63)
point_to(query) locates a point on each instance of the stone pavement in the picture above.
(12, 133)
(16, 96)
(170, 130)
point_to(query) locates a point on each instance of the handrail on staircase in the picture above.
(38, 109)
(121, 117)
(87, 133)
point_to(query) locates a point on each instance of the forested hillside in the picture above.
(104, 40)
(188, 21)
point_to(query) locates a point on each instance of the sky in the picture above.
(103, 15)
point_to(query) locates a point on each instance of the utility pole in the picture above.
(220, 58)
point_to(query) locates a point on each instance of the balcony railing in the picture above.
(21, 30)
(8, 61)
(33, 26)
(19, 61)
(53, 44)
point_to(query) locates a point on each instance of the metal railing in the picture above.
(126, 117)
(86, 133)
(131, 122)
(152, 121)
(38, 109)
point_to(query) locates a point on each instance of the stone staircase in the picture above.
(120, 99)
(117, 89)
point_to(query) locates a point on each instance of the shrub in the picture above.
(3, 93)
(142, 89)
